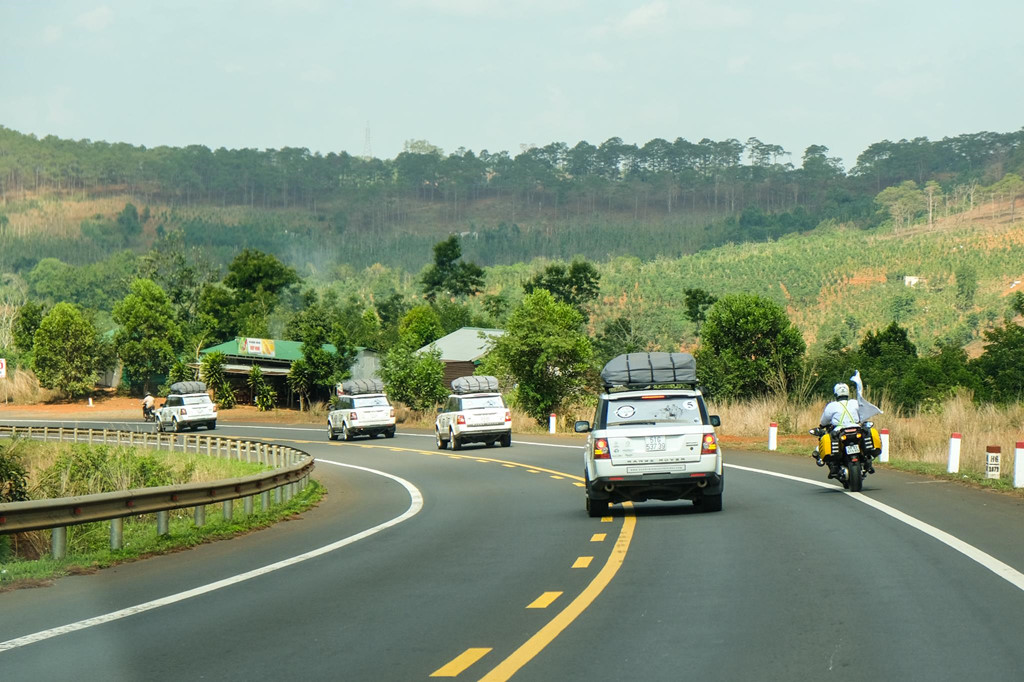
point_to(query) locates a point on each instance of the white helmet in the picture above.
(841, 391)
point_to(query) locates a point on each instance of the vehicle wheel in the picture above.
(331, 435)
(159, 426)
(176, 425)
(596, 508)
(855, 477)
(710, 503)
(506, 440)
(453, 440)
(390, 433)
(210, 426)
(441, 445)
(345, 433)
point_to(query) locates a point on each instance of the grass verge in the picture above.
(141, 540)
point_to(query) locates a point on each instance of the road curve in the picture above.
(501, 574)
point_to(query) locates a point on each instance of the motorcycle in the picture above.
(849, 452)
(148, 414)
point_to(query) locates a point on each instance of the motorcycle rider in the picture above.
(147, 405)
(841, 412)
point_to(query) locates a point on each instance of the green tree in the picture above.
(420, 326)
(890, 358)
(128, 222)
(25, 325)
(903, 203)
(263, 394)
(578, 284)
(748, 347)
(415, 379)
(697, 302)
(446, 276)
(148, 337)
(966, 286)
(1000, 367)
(65, 347)
(211, 370)
(546, 351)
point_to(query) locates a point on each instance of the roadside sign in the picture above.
(3, 368)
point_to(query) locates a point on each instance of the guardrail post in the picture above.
(229, 510)
(993, 459)
(209, 450)
(278, 495)
(953, 463)
(116, 533)
(162, 523)
(59, 542)
(247, 504)
(265, 500)
(199, 515)
(60, 434)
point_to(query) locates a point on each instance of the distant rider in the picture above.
(147, 405)
(841, 412)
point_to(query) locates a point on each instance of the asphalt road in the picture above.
(482, 564)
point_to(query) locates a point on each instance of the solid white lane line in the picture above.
(415, 505)
(1004, 571)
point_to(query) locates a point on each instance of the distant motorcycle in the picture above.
(849, 453)
(148, 414)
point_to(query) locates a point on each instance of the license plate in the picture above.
(654, 443)
(850, 449)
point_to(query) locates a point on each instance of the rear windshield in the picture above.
(483, 402)
(197, 400)
(370, 401)
(671, 409)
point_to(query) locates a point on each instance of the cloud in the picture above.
(96, 19)
(52, 34)
(494, 9)
(660, 16)
(317, 74)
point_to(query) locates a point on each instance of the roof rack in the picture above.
(634, 371)
(475, 384)
(183, 387)
(361, 386)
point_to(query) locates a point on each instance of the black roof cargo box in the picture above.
(647, 369)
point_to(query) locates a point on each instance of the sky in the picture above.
(499, 75)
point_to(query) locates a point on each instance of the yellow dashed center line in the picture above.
(544, 600)
(583, 562)
(455, 667)
(598, 537)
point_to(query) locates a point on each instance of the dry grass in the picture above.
(919, 438)
(21, 387)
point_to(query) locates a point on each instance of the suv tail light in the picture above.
(460, 419)
(709, 445)
(353, 416)
(215, 408)
(508, 415)
(183, 412)
(392, 412)
(601, 450)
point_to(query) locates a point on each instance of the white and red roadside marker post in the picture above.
(1018, 465)
(993, 461)
(883, 436)
(953, 464)
(551, 423)
(773, 436)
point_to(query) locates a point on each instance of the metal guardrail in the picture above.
(290, 474)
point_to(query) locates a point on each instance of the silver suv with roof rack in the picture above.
(652, 437)
(187, 406)
(474, 413)
(362, 408)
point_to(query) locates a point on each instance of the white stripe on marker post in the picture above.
(993, 460)
(551, 423)
(773, 436)
(953, 464)
(1018, 465)
(883, 436)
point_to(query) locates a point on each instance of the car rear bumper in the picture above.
(479, 434)
(637, 488)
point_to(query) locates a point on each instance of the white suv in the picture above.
(649, 442)
(474, 413)
(187, 407)
(362, 408)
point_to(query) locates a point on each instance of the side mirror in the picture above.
(440, 410)
(581, 427)
(715, 420)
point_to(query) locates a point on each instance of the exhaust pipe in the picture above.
(702, 483)
(608, 487)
